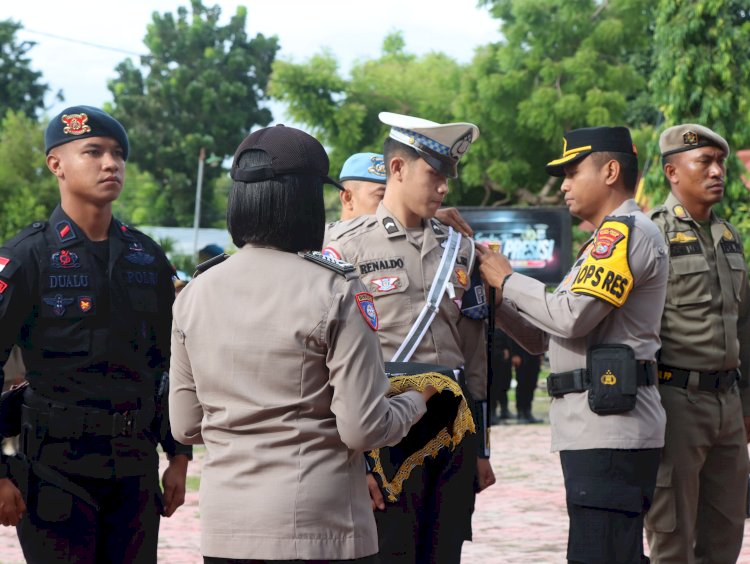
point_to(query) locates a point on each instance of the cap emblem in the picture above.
(75, 124)
(461, 146)
(690, 138)
(377, 167)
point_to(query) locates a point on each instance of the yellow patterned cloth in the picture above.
(449, 436)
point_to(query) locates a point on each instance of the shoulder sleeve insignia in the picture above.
(337, 265)
(366, 305)
(331, 252)
(605, 273)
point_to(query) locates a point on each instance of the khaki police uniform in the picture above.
(591, 307)
(286, 396)
(397, 265)
(699, 506)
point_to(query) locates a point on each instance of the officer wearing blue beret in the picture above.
(88, 301)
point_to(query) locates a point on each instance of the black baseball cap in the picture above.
(292, 151)
(580, 143)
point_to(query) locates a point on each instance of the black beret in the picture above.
(79, 122)
(580, 143)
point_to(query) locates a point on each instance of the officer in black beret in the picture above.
(88, 301)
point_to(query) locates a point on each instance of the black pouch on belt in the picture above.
(613, 370)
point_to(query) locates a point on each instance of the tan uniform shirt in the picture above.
(275, 368)
(705, 323)
(575, 322)
(398, 266)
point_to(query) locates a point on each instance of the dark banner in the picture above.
(537, 241)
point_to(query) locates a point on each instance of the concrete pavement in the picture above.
(520, 520)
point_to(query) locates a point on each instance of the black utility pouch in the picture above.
(10, 410)
(613, 370)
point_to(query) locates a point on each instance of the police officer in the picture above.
(418, 271)
(699, 506)
(362, 186)
(602, 324)
(88, 300)
(303, 393)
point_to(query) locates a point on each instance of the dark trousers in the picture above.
(608, 493)
(59, 527)
(526, 379)
(365, 560)
(431, 520)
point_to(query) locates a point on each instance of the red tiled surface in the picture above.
(520, 520)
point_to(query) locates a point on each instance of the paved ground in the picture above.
(521, 520)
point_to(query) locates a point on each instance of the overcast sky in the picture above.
(351, 29)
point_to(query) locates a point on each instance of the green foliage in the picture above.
(563, 64)
(702, 75)
(20, 88)
(200, 87)
(343, 113)
(28, 191)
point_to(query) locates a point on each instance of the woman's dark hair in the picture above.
(287, 212)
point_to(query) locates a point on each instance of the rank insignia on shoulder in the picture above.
(337, 265)
(366, 305)
(65, 259)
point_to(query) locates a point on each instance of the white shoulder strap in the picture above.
(430, 309)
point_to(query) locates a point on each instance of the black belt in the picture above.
(579, 380)
(708, 381)
(67, 421)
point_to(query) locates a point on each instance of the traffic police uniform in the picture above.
(613, 294)
(432, 516)
(93, 322)
(699, 507)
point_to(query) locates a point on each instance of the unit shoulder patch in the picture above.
(338, 266)
(605, 273)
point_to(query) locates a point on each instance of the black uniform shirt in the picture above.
(93, 320)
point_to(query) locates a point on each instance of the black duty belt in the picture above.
(708, 381)
(579, 380)
(66, 421)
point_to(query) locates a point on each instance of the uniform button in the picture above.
(36, 225)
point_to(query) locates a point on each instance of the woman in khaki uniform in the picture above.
(277, 369)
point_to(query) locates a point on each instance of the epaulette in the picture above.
(353, 226)
(27, 231)
(656, 211)
(338, 266)
(213, 261)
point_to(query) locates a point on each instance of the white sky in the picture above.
(351, 29)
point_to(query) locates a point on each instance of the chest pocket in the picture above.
(739, 272)
(688, 280)
(63, 323)
(389, 288)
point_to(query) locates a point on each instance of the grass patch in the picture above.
(193, 483)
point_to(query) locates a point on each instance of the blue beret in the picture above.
(364, 166)
(79, 122)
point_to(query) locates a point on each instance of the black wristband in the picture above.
(505, 280)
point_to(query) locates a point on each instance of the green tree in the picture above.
(563, 64)
(200, 87)
(20, 87)
(702, 75)
(28, 191)
(343, 112)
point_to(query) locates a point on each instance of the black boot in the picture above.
(525, 417)
(505, 413)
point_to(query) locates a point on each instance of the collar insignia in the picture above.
(727, 234)
(65, 231)
(390, 225)
(75, 124)
(679, 211)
